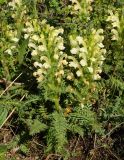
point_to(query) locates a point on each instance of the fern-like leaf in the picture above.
(36, 126)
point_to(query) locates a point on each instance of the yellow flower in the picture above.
(68, 110)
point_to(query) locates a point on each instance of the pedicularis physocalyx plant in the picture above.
(81, 8)
(73, 69)
(60, 70)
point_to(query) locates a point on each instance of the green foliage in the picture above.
(3, 115)
(83, 118)
(24, 148)
(57, 138)
(3, 149)
(36, 126)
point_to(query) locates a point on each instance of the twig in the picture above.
(7, 118)
(95, 140)
(113, 154)
(4, 81)
(10, 85)
(10, 113)
(38, 143)
(112, 130)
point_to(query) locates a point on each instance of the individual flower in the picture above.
(35, 74)
(74, 50)
(100, 45)
(83, 62)
(30, 29)
(83, 49)
(78, 73)
(90, 69)
(61, 72)
(12, 47)
(79, 39)
(35, 37)
(32, 45)
(26, 36)
(96, 77)
(46, 65)
(15, 39)
(37, 64)
(102, 58)
(42, 48)
(8, 51)
(103, 51)
(73, 64)
(40, 78)
(61, 46)
(40, 71)
(56, 56)
(70, 76)
(34, 53)
(77, 7)
(61, 30)
(64, 62)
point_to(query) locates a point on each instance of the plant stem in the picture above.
(57, 105)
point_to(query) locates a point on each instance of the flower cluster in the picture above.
(114, 19)
(46, 47)
(81, 7)
(12, 40)
(15, 3)
(18, 11)
(86, 55)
